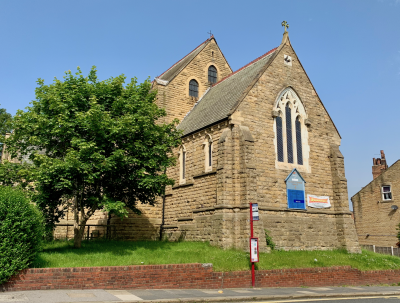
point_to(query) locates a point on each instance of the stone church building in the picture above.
(244, 133)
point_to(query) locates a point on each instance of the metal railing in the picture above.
(393, 251)
(105, 231)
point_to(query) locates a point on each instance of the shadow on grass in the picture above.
(112, 247)
(100, 246)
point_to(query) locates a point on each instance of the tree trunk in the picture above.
(77, 239)
(79, 235)
(79, 225)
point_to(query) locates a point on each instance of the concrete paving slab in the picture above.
(13, 298)
(320, 288)
(124, 295)
(242, 291)
(88, 295)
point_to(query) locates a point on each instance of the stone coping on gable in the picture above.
(192, 275)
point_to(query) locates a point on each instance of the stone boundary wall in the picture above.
(186, 276)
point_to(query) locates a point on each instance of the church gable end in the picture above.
(292, 130)
(181, 86)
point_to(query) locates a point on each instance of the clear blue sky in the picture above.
(350, 50)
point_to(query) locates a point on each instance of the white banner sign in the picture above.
(318, 201)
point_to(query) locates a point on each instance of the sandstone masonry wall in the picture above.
(375, 220)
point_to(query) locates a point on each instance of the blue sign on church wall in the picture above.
(295, 190)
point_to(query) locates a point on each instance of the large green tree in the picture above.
(96, 145)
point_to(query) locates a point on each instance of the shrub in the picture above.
(21, 232)
(268, 238)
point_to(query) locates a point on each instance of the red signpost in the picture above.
(253, 241)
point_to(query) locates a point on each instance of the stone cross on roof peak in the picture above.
(286, 25)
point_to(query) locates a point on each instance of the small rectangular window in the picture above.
(386, 192)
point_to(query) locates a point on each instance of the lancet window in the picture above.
(182, 166)
(208, 149)
(291, 137)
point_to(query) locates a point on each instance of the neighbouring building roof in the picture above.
(220, 99)
(175, 69)
(382, 174)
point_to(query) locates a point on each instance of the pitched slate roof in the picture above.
(220, 99)
(175, 69)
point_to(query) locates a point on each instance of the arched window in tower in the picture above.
(298, 142)
(193, 88)
(279, 138)
(212, 74)
(289, 139)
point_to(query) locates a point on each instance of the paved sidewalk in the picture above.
(193, 295)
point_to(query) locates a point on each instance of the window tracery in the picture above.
(291, 135)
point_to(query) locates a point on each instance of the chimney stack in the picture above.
(379, 165)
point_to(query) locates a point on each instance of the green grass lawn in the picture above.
(117, 253)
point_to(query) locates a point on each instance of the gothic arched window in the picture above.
(291, 136)
(289, 141)
(298, 142)
(193, 88)
(212, 74)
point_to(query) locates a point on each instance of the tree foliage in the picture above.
(17, 175)
(95, 144)
(5, 126)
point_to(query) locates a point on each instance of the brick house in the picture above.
(376, 205)
(244, 134)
